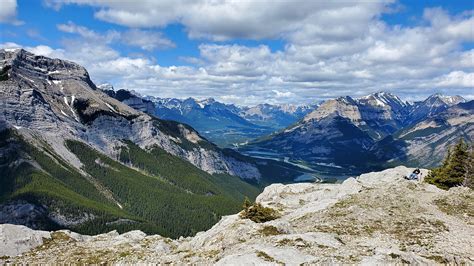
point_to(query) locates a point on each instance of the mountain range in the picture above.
(372, 132)
(74, 157)
(226, 125)
(343, 136)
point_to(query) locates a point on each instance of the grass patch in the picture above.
(461, 206)
(437, 258)
(265, 256)
(270, 230)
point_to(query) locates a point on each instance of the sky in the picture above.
(250, 52)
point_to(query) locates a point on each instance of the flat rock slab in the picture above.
(16, 239)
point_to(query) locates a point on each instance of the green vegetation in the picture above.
(270, 230)
(38, 177)
(461, 206)
(169, 192)
(257, 213)
(265, 256)
(157, 192)
(175, 129)
(457, 168)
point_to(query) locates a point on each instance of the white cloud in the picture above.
(331, 49)
(448, 27)
(282, 94)
(224, 20)
(144, 39)
(457, 79)
(8, 12)
(70, 27)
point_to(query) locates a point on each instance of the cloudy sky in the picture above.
(249, 52)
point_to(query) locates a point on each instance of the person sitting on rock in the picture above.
(414, 175)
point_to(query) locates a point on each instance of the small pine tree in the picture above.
(457, 164)
(257, 213)
(247, 204)
(453, 170)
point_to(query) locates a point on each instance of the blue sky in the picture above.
(253, 52)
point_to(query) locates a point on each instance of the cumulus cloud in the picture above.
(282, 94)
(8, 12)
(224, 20)
(457, 79)
(331, 49)
(145, 39)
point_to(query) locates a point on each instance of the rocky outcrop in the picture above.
(376, 218)
(17, 239)
(129, 98)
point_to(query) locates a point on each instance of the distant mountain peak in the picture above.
(449, 100)
(203, 103)
(383, 99)
(346, 100)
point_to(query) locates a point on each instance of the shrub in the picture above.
(257, 213)
(270, 231)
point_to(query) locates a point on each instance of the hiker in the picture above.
(414, 175)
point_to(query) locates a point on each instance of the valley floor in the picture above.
(377, 218)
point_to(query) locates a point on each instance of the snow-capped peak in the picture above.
(383, 99)
(204, 102)
(448, 100)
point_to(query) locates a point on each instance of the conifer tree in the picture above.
(457, 164)
(246, 204)
(453, 170)
(469, 175)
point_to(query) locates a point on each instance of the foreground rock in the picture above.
(377, 218)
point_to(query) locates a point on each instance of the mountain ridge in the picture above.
(368, 127)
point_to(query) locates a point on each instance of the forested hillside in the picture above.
(151, 191)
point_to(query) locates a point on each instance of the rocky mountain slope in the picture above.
(132, 99)
(371, 132)
(57, 99)
(432, 106)
(376, 218)
(73, 157)
(427, 141)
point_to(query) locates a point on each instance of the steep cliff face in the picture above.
(376, 218)
(57, 100)
(129, 98)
